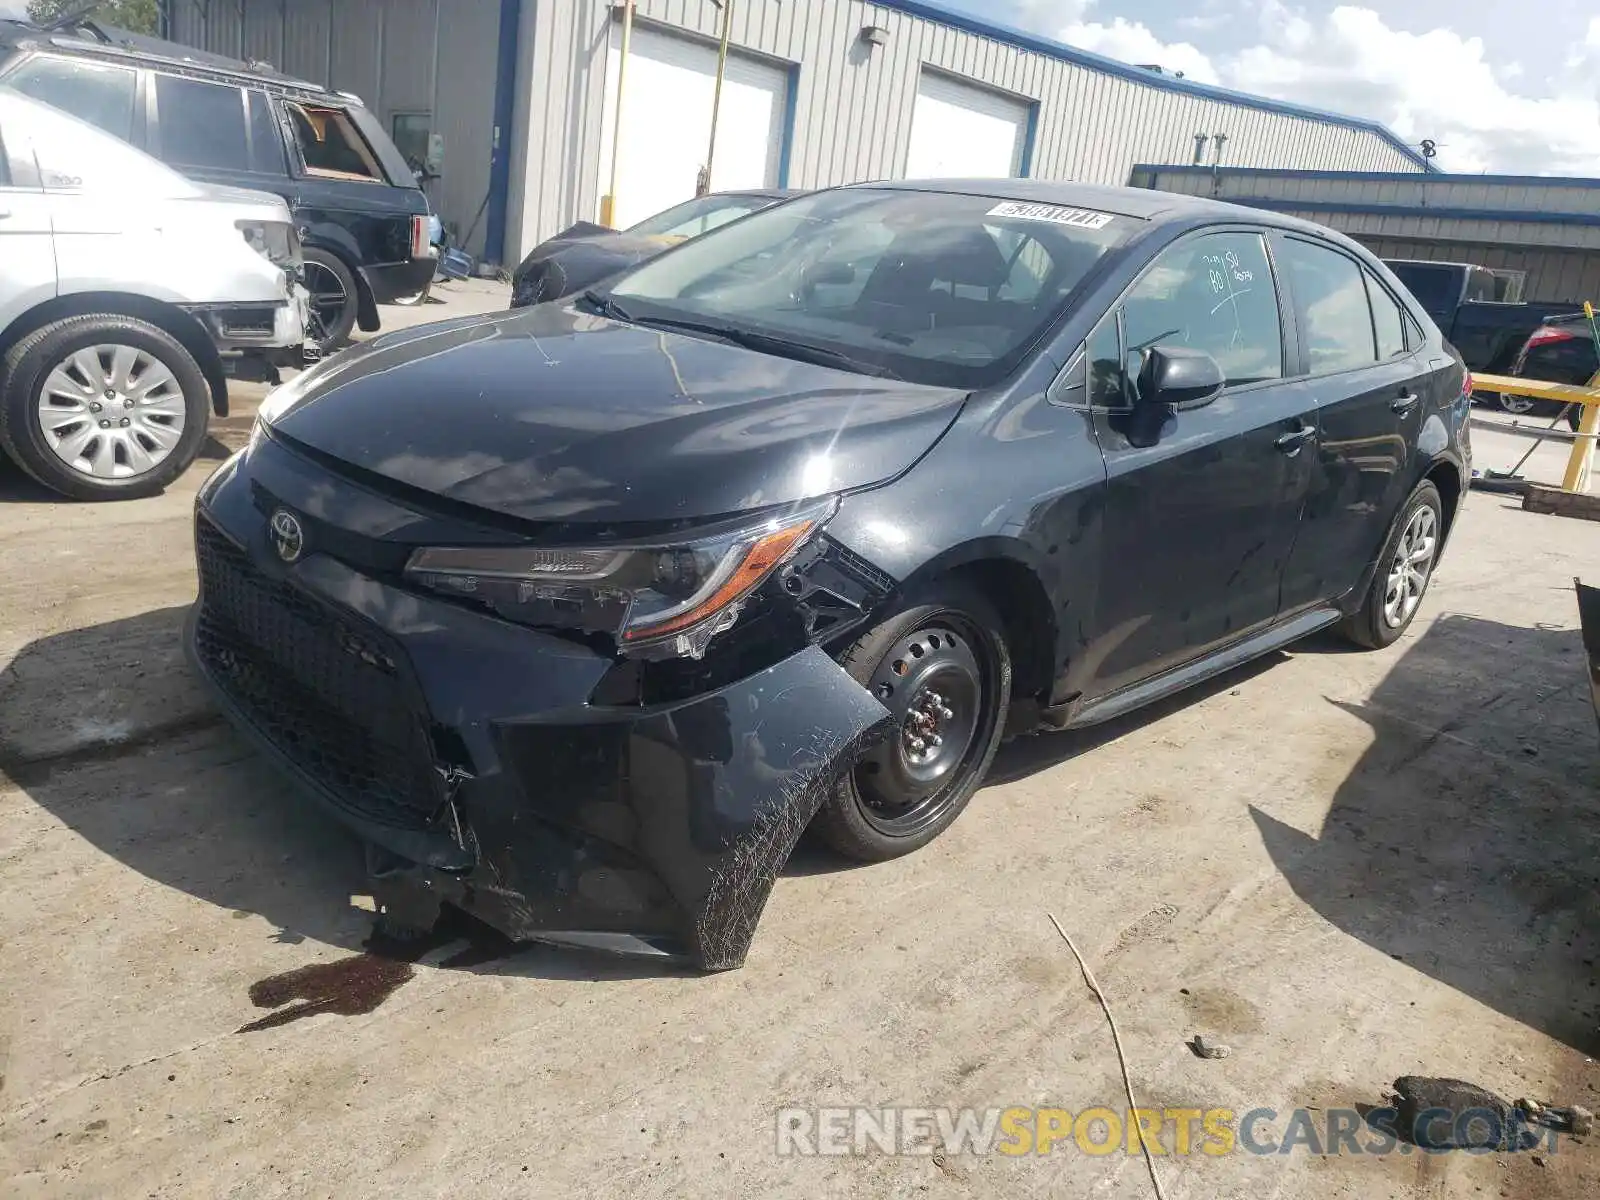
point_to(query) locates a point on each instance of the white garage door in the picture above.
(666, 122)
(958, 130)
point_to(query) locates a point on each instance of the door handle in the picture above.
(1291, 442)
(1404, 403)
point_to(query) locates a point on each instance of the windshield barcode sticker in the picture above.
(1080, 217)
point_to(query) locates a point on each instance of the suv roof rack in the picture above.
(79, 33)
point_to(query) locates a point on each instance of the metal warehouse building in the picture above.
(522, 98)
(1544, 226)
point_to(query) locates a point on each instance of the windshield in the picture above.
(697, 216)
(928, 286)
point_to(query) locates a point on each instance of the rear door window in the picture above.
(99, 93)
(1336, 319)
(266, 139)
(330, 145)
(202, 124)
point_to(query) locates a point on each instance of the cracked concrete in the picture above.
(1349, 866)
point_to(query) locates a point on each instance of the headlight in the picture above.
(275, 241)
(666, 597)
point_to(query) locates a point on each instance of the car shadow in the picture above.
(1465, 842)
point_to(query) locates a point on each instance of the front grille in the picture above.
(329, 692)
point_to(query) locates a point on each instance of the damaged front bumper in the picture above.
(471, 754)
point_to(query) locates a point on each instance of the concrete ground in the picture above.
(1346, 866)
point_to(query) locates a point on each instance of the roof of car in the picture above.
(124, 46)
(1145, 204)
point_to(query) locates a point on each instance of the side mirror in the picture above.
(1180, 378)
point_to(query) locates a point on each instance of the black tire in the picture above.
(335, 300)
(1372, 626)
(28, 366)
(946, 635)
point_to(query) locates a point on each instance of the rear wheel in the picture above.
(939, 664)
(1516, 405)
(334, 301)
(103, 407)
(1405, 569)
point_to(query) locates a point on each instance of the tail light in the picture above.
(1466, 384)
(421, 237)
(1546, 334)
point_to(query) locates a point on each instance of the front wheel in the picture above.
(939, 664)
(103, 407)
(1405, 569)
(1516, 405)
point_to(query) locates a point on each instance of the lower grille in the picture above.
(330, 693)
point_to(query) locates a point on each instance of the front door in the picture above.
(1202, 506)
(1365, 362)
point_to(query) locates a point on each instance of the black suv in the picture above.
(798, 518)
(363, 218)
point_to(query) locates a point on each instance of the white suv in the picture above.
(128, 294)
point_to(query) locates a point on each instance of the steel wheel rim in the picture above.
(111, 412)
(1411, 567)
(328, 299)
(932, 683)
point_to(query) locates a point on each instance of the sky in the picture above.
(1498, 85)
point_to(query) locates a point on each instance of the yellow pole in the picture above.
(608, 202)
(1578, 462)
(716, 96)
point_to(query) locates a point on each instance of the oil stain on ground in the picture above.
(347, 986)
(357, 984)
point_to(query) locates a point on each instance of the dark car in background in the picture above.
(587, 253)
(1561, 350)
(1480, 311)
(363, 218)
(787, 526)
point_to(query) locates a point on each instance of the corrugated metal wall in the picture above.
(1561, 257)
(853, 108)
(400, 56)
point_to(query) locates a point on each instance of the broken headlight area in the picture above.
(660, 600)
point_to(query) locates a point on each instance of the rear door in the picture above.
(1203, 506)
(27, 247)
(1365, 362)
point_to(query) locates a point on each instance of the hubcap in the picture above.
(328, 299)
(111, 412)
(1413, 562)
(932, 684)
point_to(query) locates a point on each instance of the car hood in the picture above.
(579, 258)
(553, 414)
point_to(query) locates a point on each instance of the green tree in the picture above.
(138, 16)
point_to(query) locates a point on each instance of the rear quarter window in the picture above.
(330, 144)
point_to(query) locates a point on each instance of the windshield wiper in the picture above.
(606, 306)
(767, 343)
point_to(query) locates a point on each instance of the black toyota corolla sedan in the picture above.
(580, 615)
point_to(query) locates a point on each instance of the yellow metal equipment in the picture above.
(1586, 397)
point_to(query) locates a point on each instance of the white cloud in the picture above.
(1132, 42)
(1437, 85)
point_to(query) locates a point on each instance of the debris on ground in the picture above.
(1418, 1094)
(1576, 1120)
(1205, 1048)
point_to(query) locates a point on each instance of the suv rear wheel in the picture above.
(335, 302)
(103, 407)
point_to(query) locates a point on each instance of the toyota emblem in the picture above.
(288, 539)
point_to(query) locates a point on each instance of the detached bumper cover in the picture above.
(466, 748)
